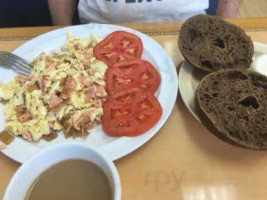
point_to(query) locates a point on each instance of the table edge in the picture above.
(162, 28)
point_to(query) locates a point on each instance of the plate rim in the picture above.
(182, 70)
(123, 150)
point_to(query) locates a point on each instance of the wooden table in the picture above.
(183, 161)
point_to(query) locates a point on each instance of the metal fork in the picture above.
(16, 63)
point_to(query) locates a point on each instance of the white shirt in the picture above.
(119, 11)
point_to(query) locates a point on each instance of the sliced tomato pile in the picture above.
(118, 46)
(131, 107)
(136, 73)
(130, 112)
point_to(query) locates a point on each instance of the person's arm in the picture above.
(228, 8)
(62, 11)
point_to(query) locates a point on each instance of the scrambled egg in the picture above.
(65, 91)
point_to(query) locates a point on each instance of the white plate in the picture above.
(189, 78)
(112, 147)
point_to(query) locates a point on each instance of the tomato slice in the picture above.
(118, 46)
(135, 73)
(130, 112)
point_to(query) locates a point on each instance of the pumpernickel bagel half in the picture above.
(211, 44)
(232, 104)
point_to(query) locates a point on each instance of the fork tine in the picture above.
(11, 60)
(13, 56)
(12, 66)
(16, 68)
(16, 63)
(7, 55)
(18, 71)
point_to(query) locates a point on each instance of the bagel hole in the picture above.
(219, 43)
(250, 101)
(206, 64)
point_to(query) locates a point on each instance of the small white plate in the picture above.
(112, 147)
(190, 76)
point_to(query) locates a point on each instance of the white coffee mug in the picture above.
(29, 171)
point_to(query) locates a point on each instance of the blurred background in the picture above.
(21, 13)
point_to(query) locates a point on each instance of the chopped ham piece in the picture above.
(91, 92)
(22, 113)
(48, 59)
(55, 101)
(100, 91)
(20, 109)
(85, 82)
(91, 125)
(51, 66)
(21, 78)
(25, 117)
(42, 82)
(88, 114)
(27, 136)
(70, 85)
(86, 64)
(78, 47)
(79, 121)
(62, 106)
(76, 120)
(66, 124)
(51, 136)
